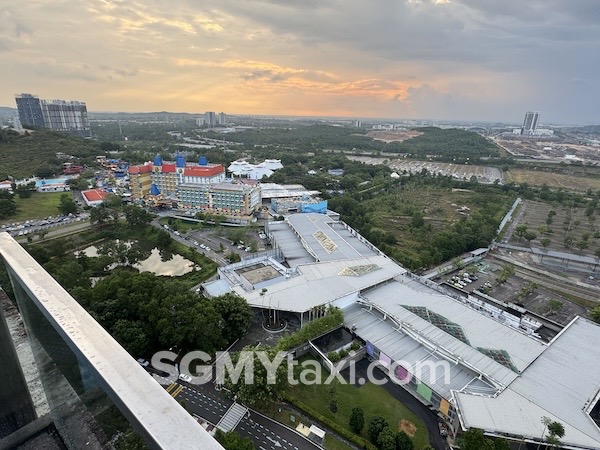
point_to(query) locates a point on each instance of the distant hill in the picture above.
(21, 156)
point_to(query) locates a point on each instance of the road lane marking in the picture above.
(177, 391)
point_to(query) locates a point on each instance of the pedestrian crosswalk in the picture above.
(174, 389)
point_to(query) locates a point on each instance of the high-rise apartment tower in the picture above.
(530, 123)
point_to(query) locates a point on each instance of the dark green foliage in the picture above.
(556, 429)
(35, 153)
(136, 217)
(357, 419)
(357, 440)
(233, 441)
(446, 145)
(474, 439)
(595, 314)
(144, 312)
(100, 215)
(376, 425)
(333, 319)
(387, 439)
(236, 314)
(7, 206)
(45, 171)
(261, 390)
(403, 442)
(67, 204)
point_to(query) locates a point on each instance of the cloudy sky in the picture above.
(445, 59)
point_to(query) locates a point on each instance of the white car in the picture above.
(185, 377)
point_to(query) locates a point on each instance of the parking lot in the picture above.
(518, 288)
(19, 229)
(216, 245)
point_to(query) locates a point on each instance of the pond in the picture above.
(175, 266)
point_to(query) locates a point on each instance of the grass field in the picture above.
(39, 205)
(441, 208)
(374, 400)
(553, 180)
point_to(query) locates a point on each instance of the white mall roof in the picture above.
(306, 238)
(321, 283)
(561, 384)
(480, 329)
(274, 190)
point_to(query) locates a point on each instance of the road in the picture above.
(206, 402)
(189, 242)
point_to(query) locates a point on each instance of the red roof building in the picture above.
(144, 168)
(94, 197)
(203, 171)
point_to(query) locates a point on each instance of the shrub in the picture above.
(334, 357)
(317, 327)
(343, 432)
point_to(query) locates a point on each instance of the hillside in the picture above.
(21, 156)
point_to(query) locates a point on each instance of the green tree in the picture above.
(233, 441)
(595, 314)
(24, 191)
(262, 390)
(44, 171)
(529, 236)
(112, 201)
(136, 217)
(7, 207)
(520, 230)
(163, 240)
(545, 242)
(236, 315)
(67, 205)
(403, 442)
(333, 405)
(233, 257)
(568, 241)
(387, 439)
(474, 439)
(132, 335)
(582, 244)
(417, 220)
(376, 426)
(357, 418)
(99, 215)
(556, 429)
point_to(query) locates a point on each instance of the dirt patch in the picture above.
(393, 135)
(408, 427)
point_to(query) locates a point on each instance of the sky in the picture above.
(479, 60)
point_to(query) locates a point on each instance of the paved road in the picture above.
(189, 242)
(211, 405)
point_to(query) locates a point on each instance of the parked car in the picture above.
(185, 377)
(142, 362)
